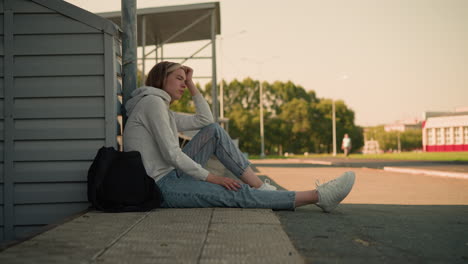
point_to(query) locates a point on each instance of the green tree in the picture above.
(295, 115)
(244, 125)
(411, 140)
(344, 124)
(388, 140)
(295, 120)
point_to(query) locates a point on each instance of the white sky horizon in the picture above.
(389, 60)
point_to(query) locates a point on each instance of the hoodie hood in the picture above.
(143, 91)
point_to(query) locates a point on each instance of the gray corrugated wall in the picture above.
(1, 125)
(58, 106)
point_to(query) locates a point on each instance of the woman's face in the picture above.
(175, 84)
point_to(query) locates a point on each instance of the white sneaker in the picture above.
(333, 192)
(266, 186)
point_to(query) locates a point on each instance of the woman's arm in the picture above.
(155, 117)
(203, 115)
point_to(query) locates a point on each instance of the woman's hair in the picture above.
(158, 74)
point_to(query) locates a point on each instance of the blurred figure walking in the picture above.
(346, 145)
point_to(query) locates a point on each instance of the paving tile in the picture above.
(248, 243)
(246, 216)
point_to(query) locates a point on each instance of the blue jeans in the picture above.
(183, 191)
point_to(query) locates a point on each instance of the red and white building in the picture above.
(446, 131)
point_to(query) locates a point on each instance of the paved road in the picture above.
(388, 217)
(369, 233)
(451, 166)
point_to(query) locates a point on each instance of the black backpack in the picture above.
(117, 182)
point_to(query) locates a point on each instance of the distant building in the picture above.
(404, 125)
(446, 131)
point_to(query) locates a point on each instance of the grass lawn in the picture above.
(435, 156)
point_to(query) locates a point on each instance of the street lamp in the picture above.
(341, 77)
(221, 86)
(334, 126)
(262, 137)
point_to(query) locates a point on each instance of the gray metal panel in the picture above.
(70, 65)
(78, 107)
(117, 67)
(38, 193)
(59, 86)
(56, 150)
(1, 46)
(59, 129)
(119, 85)
(24, 232)
(1, 66)
(1, 173)
(42, 214)
(26, 6)
(49, 24)
(59, 44)
(8, 71)
(111, 66)
(51, 171)
(118, 47)
(52, 113)
(81, 15)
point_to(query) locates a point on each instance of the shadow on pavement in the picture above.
(374, 233)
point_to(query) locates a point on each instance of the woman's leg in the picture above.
(306, 197)
(213, 139)
(184, 191)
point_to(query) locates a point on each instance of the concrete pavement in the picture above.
(202, 235)
(388, 217)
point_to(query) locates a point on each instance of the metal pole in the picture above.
(143, 45)
(221, 85)
(262, 138)
(334, 127)
(399, 143)
(156, 55)
(129, 52)
(214, 90)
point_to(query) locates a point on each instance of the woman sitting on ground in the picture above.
(152, 129)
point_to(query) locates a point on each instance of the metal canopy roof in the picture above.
(173, 24)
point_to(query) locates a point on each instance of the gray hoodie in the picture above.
(152, 129)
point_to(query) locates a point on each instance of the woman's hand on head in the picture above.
(188, 73)
(189, 81)
(226, 182)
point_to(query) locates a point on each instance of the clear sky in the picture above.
(387, 59)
